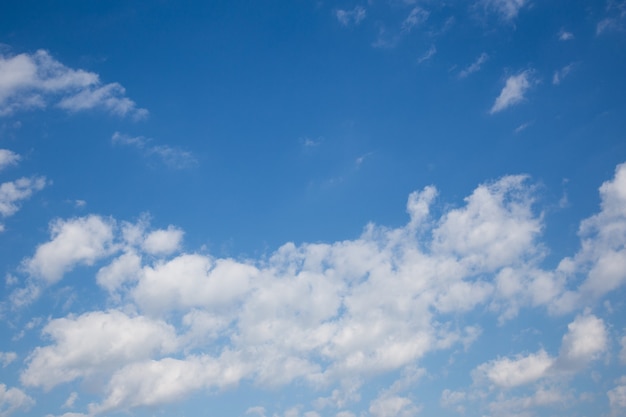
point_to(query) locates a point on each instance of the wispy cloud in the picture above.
(29, 81)
(173, 157)
(427, 55)
(474, 66)
(616, 11)
(513, 92)
(416, 17)
(506, 9)
(562, 73)
(351, 17)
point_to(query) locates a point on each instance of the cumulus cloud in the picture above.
(34, 80)
(173, 157)
(350, 17)
(474, 66)
(13, 399)
(94, 343)
(324, 314)
(12, 192)
(513, 92)
(76, 241)
(7, 357)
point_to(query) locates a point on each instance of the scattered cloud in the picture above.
(565, 35)
(29, 81)
(559, 75)
(474, 66)
(507, 10)
(428, 55)
(522, 127)
(13, 192)
(174, 158)
(8, 158)
(616, 16)
(416, 17)
(7, 357)
(351, 17)
(513, 92)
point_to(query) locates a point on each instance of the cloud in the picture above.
(30, 81)
(95, 343)
(506, 9)
(584, 341)
(14, 191)
(617, 399)
(416, 17)
(8, 158)
(13, 399)
(616, 11)
(7, 357)
(622, 353)
(174, 158)
(351, 17)
(562, 73)
(328, 315)
(513, 92)
(76, 241)
(474, 66)
(428, 55)
(565, 35)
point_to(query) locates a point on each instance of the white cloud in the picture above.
(617, 399)
(174, 158)
(521, 370)
(33, 80)
(585, 340)
(348, 17)
(416, 17)
(163, 242)
(601, 259)
(506, 9)
(7, 357)
(513, 92)
(474, 66)
(622, 352)
(8, 158)
(327, 314)
(427, 55)
(95, 343)
(69, 403)
(393, 406)
(81, 240)
(13, 399)
(565, 35)
(14, 191)
(562, 73)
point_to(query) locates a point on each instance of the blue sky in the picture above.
(309, 209)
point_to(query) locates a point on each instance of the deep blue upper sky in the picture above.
(158, 158)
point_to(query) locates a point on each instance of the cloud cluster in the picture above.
(29, 81)
(326, 314)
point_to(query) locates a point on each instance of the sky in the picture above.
(376, 208)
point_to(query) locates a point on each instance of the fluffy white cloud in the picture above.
(393, 406)
(327, 314)
(507, 373)
(617, 399)
(513, 92)
(8, 158)
(584, 341)
(81, 240)
(14, 191)
(354, 16)
(33, 80)
(13, 399)
(94, 343)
